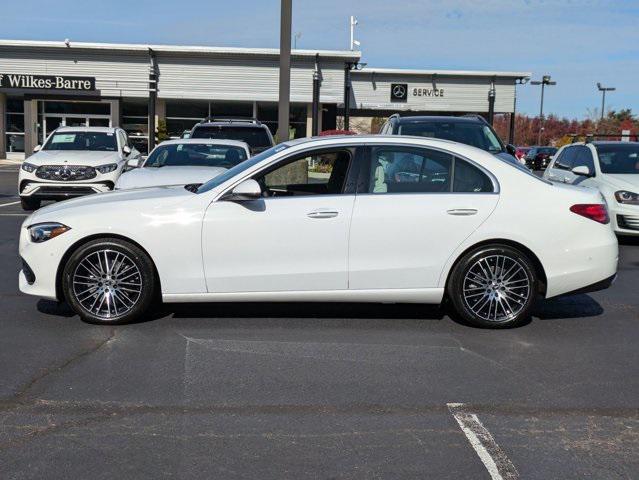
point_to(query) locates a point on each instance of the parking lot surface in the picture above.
(317, 391)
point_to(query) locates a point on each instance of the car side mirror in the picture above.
(510, 148)
(131, 164)
(244, 192)
(582, 170)
(37, 148)
(126, 150)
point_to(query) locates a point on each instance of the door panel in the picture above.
(403, 241)
(277, 244)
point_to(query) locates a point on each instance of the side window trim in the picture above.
(363, 179)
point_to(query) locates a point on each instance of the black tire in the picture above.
(493, 286)
(29, 204)
(121, 292)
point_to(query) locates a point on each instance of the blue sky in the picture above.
(578, 42)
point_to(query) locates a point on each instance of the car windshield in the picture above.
(476, 134)
(236, 170)
(98, 141)
(619, 158)
(196, 155)
(256, 137)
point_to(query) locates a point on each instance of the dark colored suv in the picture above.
(255, 134)
(538, 158)
(470, 129)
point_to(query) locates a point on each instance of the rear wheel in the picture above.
(494, 286)
(29, 204)
(109, 281)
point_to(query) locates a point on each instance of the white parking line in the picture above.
(493, 457)
(7, 204)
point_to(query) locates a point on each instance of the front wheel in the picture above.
(493, 286)
(109, 281)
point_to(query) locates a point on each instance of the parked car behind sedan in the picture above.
(520, 154)
(185, 161)
(469, 129)
(74, 161)
(611, 167)
(251, 131)
(538, 158)
(465, 226)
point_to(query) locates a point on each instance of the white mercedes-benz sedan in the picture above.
(178, 162)
(362, 219)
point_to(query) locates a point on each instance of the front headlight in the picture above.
(29, 167)
(107, 168)
(628, 198)
(41, 232)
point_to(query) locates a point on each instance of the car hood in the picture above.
(69, 157)
(159, 197)
(154, 177)
(629, 181)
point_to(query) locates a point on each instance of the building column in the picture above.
(309, 119)
(160, 110)
(3, 125)
(30, 126)
(116, 117)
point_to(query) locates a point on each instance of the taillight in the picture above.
(594, 211)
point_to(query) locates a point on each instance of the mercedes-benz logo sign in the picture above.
(64, 173)
(399, 92)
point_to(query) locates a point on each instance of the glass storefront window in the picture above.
(14, 121)
(232, 109)
(187, 109)
(84, 108)
(176, 126)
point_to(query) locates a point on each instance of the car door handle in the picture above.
(322, 214)
(462, 212)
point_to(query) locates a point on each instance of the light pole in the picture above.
(603, 91)
(545, 80)
(283, 109)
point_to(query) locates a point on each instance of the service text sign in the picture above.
(46, 82)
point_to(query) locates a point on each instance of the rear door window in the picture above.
(566, 159)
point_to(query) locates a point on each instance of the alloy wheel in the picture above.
(107, 283)
(496, 288)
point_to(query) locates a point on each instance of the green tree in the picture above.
(162, 133)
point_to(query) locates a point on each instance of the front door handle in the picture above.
(462, 212)
(322, 214)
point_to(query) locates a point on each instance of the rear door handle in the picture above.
(323, 214)
(462, 212)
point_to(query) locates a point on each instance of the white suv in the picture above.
(74, 161)
(611, 167)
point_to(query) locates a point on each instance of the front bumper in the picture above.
(61, 191)
(625, 220)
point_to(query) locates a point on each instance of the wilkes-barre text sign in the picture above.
(46, 82)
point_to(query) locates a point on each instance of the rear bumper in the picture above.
(594, 287)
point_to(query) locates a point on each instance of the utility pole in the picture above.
(354, 43)
(603, 91)
(545, 80)
(286, 16)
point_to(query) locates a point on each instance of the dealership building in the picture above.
(44, 85)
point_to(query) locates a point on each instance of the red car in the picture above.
(520, 153)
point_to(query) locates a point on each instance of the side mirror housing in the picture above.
(37, 148)
(126, 150)
(510, 148)
(582, 170)
(244, 192)
(131, 164)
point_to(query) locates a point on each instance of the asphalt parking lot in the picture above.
(317, 391)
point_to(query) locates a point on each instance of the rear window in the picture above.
(255, 137)
(476, 134)
(196, 155)
(619, 158)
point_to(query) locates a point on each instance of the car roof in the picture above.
(388, 139)
(440, 119)
(231, 122)
(87, 129)
(206, 141)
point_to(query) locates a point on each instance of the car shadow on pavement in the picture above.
(56, 309)
(304, 310)
(572, 306)
(627, 240)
